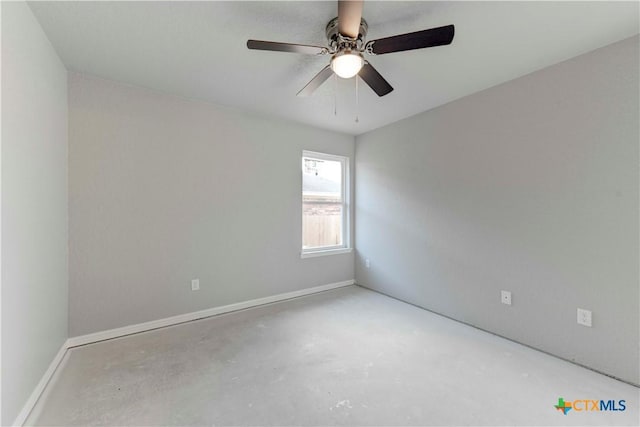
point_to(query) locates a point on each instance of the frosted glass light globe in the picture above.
(347, 64)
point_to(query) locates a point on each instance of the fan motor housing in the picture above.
(336, 39)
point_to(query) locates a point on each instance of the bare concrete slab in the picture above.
(344, 357)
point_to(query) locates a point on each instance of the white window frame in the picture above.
(346, 207)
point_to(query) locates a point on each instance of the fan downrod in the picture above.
(337, 41)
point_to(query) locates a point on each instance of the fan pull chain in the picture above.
(357, 103)
(335, 95)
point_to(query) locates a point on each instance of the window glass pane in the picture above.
(321, 224)
(321, 203)
(322, 179)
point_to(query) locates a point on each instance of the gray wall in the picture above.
(163, 190)
(530, 186)
(34, 206)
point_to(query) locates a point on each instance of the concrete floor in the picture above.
(343, 357)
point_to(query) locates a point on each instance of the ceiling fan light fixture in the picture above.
(347, 63)
(346, 42)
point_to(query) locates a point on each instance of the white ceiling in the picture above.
(198, 50)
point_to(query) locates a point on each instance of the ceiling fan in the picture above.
(346, 35)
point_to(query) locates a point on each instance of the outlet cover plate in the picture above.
(505, 297)
(584, 317)
(195, 285)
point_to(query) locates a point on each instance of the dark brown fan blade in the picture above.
(349, 16)
(374, 80)
(316, 82)
(418, 40)
(285, 47)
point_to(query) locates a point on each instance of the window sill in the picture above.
(326, 252)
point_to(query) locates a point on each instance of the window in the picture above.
(325, 204)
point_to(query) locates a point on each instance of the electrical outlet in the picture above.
(584, 317)
(195, 285)
(505, 297)
(367, 263)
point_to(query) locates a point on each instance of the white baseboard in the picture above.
(37, 392)
(188, 317)
(155, 324)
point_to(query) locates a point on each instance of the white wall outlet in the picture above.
(367, 263)
(195, 285)
(505, 297)
(584, 317)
